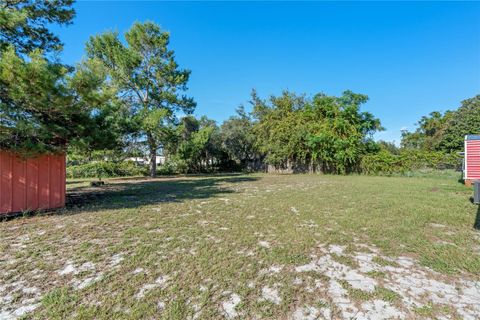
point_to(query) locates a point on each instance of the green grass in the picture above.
(204, 233)
(386, 294)
(383, 262)
(379, 293)
(346, 260)
(426, 310)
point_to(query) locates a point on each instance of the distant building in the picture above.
(145, 161)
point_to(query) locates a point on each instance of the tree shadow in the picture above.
(135, 192)
(77, 181)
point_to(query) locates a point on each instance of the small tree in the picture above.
(238, 138)
(147, 79)
(429, 133)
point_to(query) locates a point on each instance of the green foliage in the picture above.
(408, 160)
(413, 160)
(388, 146)
(23, 24)
(108, 122)
(147, 80)
(382, 162)
(238, 138)
(445, 132)
(38, 109)
(429, 133)
(191, 151)
(105, 169)
(131, 89)
(199, 146)
(466, 120)
(330, 133)
(43, 106)
(173, 165)
(278, 127)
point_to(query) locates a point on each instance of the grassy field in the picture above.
(248, 246)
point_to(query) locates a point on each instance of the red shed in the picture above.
(31, 184)
(471, 168)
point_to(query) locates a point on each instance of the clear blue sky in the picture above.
(410, 58)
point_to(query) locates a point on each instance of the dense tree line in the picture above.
(128, 98)
(288, 132)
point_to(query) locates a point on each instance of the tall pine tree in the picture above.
(148, 80)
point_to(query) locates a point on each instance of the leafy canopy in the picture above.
(326, 131)
(147, 79)
(238, 138)
(465, 120)
(445, 131)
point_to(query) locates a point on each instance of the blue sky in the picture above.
(410, 58)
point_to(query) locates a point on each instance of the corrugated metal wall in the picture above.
(472, 159)
(31, 184)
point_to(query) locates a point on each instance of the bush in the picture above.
(173, 166)
(417, 159)
(385, 162)
(105, 169)
(382, 162)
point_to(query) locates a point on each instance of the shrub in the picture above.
(105, 169)
(173, 166)
(382, 162)
(385, 162)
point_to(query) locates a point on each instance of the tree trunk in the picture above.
(153, 155)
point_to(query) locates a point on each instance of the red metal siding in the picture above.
(43, 183)
(31, 184)
(6, 182)
(19, 189)
(472, 159)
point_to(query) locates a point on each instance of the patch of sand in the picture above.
(416, 285)
(271, 295)
(160, 282)
(264, 244)
(229, 306)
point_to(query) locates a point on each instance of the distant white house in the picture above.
(159, 160)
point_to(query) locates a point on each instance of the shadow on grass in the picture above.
(135, 192)
(75, 181)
